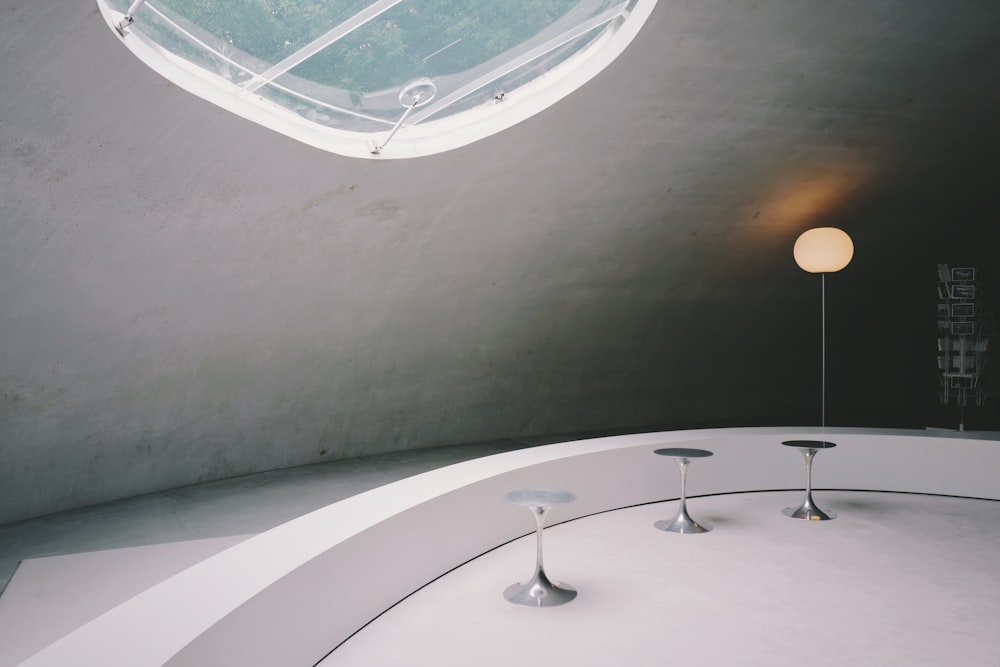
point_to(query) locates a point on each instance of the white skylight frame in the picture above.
(421, 135)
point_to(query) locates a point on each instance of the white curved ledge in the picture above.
(267, 600)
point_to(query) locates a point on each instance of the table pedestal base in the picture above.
(540, 592)
(808, 510)
(682, 523)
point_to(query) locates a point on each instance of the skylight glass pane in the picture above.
(331, 108)
(268, 30)
(192, 43)
(487, 93)
(417, 39)
(346, 64)
(429, 38)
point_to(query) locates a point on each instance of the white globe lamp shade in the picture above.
(823, 250)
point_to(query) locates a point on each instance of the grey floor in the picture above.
(896, 579)
(238, 506)
(60, 571)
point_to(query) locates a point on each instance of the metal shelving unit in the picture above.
(964, 330)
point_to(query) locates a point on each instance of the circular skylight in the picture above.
(382, 79)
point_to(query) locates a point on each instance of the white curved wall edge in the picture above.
(289, 595)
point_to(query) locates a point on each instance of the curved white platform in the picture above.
(897, 579)
(289, 595)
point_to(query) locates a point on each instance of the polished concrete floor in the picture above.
(242, 505)
(896, 579)
(203, 517)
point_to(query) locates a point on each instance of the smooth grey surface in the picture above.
(239, 506)
(292, 619)
(52, 596)
(540, 497)
(186, 296)
(900, 579)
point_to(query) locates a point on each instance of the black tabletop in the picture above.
(809, 444)
(683, 452)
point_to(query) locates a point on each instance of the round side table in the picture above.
(682, 521)
(539, 591)
(808, 509)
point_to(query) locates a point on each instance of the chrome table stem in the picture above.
(682, 521)
(539, 590)
(808, 509)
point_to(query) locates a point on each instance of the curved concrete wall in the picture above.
(186, 296)
(291, 594)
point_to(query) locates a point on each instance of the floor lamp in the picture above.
(821, 250)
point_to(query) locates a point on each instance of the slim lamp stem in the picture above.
(823, 250)
(822, 419)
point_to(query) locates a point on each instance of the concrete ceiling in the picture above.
(186, 296)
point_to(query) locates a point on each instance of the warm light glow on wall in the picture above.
(823, 250)
(797, 204)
